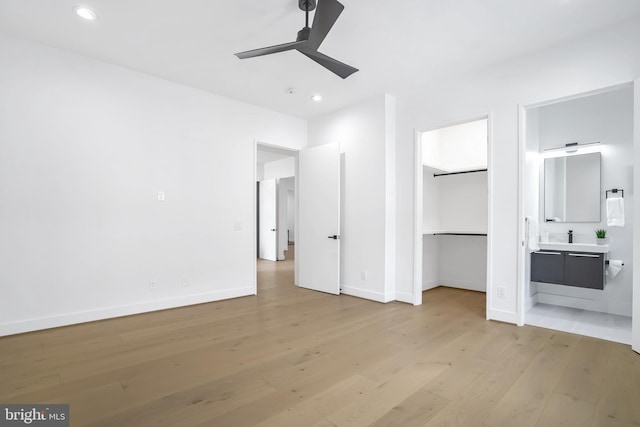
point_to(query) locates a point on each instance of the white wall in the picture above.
(463, 262)
(599, 60)
(531, 187)
(455, 204)
(462, 201)
(280, 168)
(367, 223)
(608, 118)
(456, 148)
(430, 200)
(430, 261)
(84, 149)
(291, 214)
(285, 189)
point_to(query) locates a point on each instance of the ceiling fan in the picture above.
(310, 39)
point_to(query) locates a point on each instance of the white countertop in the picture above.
(576, 247)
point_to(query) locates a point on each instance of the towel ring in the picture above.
(614, 191)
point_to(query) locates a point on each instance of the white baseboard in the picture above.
(610, 307)
(530, 302)
(404, 297)
(366, 294)
(471, 286)
(502, 316)
(430, 285)
(66, 319)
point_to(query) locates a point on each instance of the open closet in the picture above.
(455, 206)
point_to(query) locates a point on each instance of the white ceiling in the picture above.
(397, 45)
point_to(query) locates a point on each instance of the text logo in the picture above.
(34, 415)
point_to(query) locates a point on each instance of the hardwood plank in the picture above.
(192, 406)
(526, 399)
(460, 374)
(586, 370)
(618, 403)
(415, 410)
(323, 404)
(565, 411)
(479, 398)
(371, 406)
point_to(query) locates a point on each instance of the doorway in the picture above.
(313, 195)
(555, 136)
(453, 200)
(275, 206)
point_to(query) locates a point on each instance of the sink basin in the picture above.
(576, 247)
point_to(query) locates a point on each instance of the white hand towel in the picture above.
(532, 234)
(615, 212)
(614, 267)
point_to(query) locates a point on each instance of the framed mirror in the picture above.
(572, 188)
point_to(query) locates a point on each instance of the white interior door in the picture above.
(635, 340)
(318, 245)
(268, 218)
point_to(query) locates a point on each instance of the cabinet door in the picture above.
(584, 270)
(548, 267)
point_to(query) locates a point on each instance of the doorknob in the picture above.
(334, 237)
(273, 229)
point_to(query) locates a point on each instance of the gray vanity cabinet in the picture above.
(579, 269)
(584, 270)
(547, 266)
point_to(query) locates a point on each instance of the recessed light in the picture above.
(85, 12)
(316, 98)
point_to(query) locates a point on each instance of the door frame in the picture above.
(635, 309)
(418, 197)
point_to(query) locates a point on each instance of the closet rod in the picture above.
(459, 234)
(458, 173)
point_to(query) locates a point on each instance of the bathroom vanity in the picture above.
(570, 264)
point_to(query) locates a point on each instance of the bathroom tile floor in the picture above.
(589, 323)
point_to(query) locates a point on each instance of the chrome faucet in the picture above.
(570, 236)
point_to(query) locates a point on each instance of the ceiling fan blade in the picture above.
(271, 49)
(327, 13)
(341, 69)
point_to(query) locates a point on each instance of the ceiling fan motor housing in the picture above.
(307, 4)
(303, 34)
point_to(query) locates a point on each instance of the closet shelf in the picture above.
(458, 173)
(455, 232)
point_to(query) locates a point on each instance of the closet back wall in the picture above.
(455, 203)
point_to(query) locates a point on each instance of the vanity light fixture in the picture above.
(85, 12)
(571, 148)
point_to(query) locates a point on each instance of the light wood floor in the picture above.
(293, 357)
